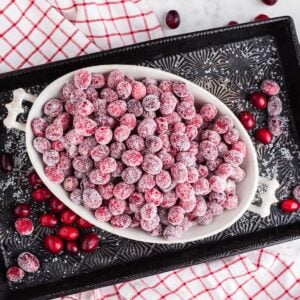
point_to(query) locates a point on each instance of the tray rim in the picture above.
(268, 237)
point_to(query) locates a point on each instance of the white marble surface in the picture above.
(205, 14)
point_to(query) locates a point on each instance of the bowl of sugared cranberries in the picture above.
(142, 153)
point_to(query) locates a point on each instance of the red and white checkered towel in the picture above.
(36, 32)
(259, 275)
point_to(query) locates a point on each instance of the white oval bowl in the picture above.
(245, 190)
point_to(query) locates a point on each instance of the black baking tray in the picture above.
(230, 62)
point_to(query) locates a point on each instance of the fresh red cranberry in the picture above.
(68, 233)
(22, 210)
(83, 223)
(41, 194)
(232, 23)
(72, 247)
(173, 19)
(264, 135)
(56, 205)
(48, 220)
(259, 100)
(68, 217)
(6, 162)
(34, 179)
(261, 17)
(90, 242)
(247, 120)
(54, 244)
(289, 205)
(269, 2)
(24, 226)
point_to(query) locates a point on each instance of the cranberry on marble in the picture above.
(172, 19)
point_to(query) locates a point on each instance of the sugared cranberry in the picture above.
(232, 23)
(247, 120)
(28, 262)
(41, 194)
(34, 179)
(6, 162)
(264, 136)
(270, 87)
(259, 100)
(72, 247)
(269, 2)
(68, 217)
(83, 223)
(24, 226)
(296, 192)
(22, 210)
(173, 19)
(289, 205)
(90, 242)
(15, 274)
(56, 205)
(54, 244)
(261, 17)
(48, 220)
(68, 233)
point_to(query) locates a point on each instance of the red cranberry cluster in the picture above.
(138, 153)
(274, 108)
(67, 231)
(59, 217)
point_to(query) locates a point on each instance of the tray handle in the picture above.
(14, 108)
(268, 197)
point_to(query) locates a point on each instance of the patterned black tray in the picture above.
(230, 63)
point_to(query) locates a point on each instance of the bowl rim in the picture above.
(32, 153)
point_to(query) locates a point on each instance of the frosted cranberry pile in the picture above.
(139, 153)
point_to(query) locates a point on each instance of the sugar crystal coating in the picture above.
(270, 87)
(91, 198)
(275, 125)
(121, 221)
(15, 274)
(296, 192)
(208, 112)
(186, 110)
(53, 108)
(180, 89)
(179, 172)
(28, 262)
(152, 164)
(82, 79)
(140, 154)
(103, 214)
(41, 144)
(38, 126)
(176, 215)
(116, 206)
(124, 89)
(131, 175)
